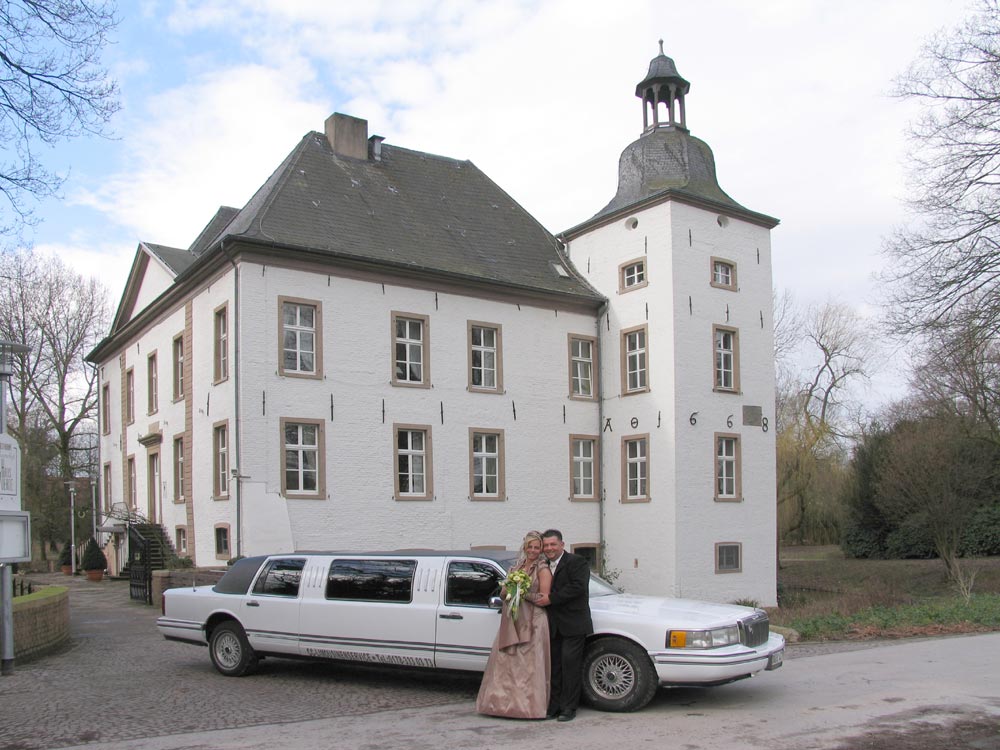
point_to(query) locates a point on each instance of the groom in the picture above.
(569, 624)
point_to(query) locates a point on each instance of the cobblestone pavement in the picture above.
(119, 679)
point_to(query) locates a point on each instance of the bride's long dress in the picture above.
(516, 681)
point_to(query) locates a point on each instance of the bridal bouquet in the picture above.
(515, 586)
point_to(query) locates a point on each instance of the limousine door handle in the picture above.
(451, 617)
(253, 604)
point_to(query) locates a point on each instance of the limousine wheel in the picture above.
(618, 675)
(230, 650)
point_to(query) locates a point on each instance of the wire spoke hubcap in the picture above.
(227, 650)
(612, 676)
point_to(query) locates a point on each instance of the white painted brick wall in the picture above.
(667, 546)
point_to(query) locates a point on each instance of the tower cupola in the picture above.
(666, 160)
(663, 85)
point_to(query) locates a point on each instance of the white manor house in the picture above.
(383, 350)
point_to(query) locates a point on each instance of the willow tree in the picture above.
(815, 416)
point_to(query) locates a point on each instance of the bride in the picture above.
(516, 681)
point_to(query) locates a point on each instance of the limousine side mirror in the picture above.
(496, 603)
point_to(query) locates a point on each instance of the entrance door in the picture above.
(153, 491)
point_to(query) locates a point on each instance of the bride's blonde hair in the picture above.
(531, 536)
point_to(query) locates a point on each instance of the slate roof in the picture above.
(176, 259)
(203, 241)
(409, 210)
(668, 162)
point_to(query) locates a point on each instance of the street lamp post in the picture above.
(7, 351)
(72, 524)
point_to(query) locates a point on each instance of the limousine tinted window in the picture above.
(237, 578)
(472, 584)
(280, 578)
(371, 580)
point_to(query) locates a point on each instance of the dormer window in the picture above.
(632, 275)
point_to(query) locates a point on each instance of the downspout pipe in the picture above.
(235, 470)
(600, 431)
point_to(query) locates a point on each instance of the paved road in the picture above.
(120, 685)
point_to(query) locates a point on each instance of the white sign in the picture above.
(10, 473)
(15, 536)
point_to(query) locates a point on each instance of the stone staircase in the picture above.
(161, 549)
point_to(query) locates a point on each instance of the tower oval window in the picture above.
(631, 222)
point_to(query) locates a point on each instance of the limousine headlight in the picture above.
(715, 638)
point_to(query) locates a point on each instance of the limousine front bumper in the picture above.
(679, 667)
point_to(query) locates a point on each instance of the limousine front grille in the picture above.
(755, 630)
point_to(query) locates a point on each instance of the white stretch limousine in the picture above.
(439, 610)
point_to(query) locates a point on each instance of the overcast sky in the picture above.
(791, 95)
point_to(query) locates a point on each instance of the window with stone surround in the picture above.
(723, 274)
(486, 464)
(582, 367)
(634, 362)
(485, 357)
(304, 454)
(632, 275)
(301, 337)
(412, 450)
(635, 468)
(728, 557)
(728, 467)
(726, 359)
(410, 347)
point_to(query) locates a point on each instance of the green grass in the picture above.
(43, 593)
(826, 597)
(937, 617)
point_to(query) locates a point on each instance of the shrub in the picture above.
(181, 562)
(910, 540)
(93, 557)
(982, 536)
(66, 556)
(747, 602)
(862, 542)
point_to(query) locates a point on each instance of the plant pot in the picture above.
(95, 575)
(67, 570)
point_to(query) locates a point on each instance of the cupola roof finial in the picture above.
(663, 85)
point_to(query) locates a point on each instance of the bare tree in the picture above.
(60, 316)
(787, 328)
(946, 263)
(938, 475)
(959, 374)
(813, 409)
(52, 87)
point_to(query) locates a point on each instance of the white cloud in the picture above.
(204, 144)
(791, 97)
(110, 262)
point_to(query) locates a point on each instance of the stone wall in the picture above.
(41, 622)
(176, 579)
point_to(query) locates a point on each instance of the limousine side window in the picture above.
(280, 578)
(471, 584)
(371, 580)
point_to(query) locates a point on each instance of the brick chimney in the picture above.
(348, 136)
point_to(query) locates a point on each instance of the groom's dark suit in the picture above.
(569, 626)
